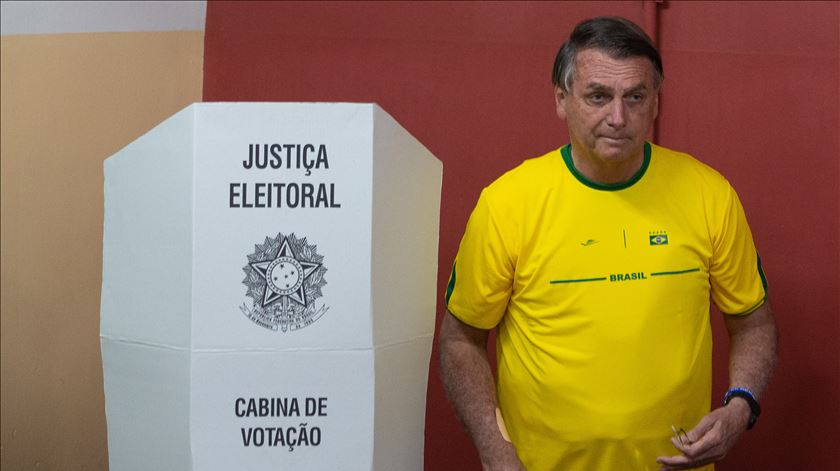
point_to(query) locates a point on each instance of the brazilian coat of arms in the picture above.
(284, 277)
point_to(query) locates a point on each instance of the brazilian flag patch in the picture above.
(658, 239)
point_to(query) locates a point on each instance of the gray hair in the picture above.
(618, 37)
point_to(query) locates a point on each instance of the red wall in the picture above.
(751, 88)
(753, 91)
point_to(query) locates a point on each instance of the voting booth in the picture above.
(268, 293)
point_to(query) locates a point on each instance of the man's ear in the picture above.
(656, 105)
(560, 101)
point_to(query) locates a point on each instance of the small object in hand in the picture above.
(681, 436)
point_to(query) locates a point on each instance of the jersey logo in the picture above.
(589, 242)
(639, 275)
(658, 238)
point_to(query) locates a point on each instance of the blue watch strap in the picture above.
(749, 396)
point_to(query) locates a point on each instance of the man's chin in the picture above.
(613, 154)
(615, 150)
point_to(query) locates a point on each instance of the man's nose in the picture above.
(617, 117)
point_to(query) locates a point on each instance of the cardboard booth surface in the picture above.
(268, 290)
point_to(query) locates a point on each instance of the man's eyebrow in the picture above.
(595, 86)
(637, 88)
(599, 87)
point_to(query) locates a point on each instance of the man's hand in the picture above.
(711, 439)
(752, 357)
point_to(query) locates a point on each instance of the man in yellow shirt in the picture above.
(596, 264)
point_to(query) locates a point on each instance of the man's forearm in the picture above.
(471, 388)
(752, 349)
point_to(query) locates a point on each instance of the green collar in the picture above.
(566, 152)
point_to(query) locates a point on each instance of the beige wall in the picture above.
(68, 101)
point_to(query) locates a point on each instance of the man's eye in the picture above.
(598, 98)
(636, 98)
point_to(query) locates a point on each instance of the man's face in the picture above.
(610, 107)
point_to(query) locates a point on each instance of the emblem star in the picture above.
(284, 276)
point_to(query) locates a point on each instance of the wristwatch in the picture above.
(749, 396)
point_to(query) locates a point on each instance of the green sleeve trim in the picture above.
(451, 286)
(566, 152)
(761, 274)
(763, 284)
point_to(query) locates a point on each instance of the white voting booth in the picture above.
(269, 278)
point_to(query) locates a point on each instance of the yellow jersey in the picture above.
(601, 297)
